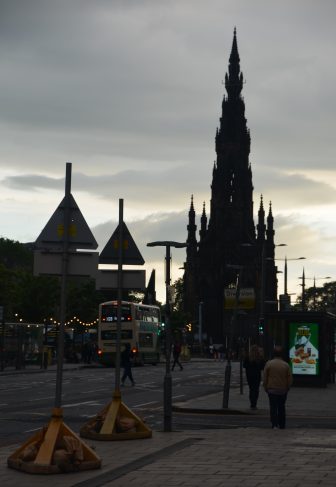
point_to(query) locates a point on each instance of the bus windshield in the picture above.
(109, 312)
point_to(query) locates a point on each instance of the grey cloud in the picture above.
(151, 187)
(293, 190)
(130, 92)
(30, 182)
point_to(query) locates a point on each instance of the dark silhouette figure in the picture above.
(126, 363)
(277, 381)
(176, 355)
(87, 352)
(253, 365)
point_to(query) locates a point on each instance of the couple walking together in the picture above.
(277, 379)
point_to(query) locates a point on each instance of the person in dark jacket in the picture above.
(176, 355)
(126, 363)
(254, 363)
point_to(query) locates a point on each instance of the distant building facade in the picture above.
(230, 248)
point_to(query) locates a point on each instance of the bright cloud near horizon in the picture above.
(130, 92)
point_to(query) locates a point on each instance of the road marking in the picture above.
(197, 375)
(94, 390)
(40, 398)
(181, 395)
(145, 404)
(89, 403)
(34, 429)
(4, 404)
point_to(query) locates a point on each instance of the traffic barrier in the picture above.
(54, 449)
(115, 422)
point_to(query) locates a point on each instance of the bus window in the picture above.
(110, 313)
(147, 314)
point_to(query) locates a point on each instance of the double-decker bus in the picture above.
(140, 327)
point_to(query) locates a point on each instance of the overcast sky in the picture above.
(130, 93)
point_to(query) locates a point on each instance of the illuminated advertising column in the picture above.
(304, 348)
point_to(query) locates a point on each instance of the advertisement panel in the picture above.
(304, 348)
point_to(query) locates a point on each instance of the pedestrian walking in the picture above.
(253, 364)
(126, 363)
(176, 355)
(277, 381)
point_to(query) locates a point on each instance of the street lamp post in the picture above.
(285, 271)
(263, 334)
(286, 294)
(228, 367)
(167, 384)
(304, 278)
(200, 332)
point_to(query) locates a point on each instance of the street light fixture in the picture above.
(167, 384)
(304, 278)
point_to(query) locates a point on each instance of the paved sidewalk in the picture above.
(301, 401)
(251, 457)
(231, 458)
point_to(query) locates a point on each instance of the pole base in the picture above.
(54, 449)
(115, 422)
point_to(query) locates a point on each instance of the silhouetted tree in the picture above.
(319, 298)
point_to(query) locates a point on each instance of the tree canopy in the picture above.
(319, 298)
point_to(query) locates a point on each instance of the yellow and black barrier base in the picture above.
(115, 422)
(54, 449)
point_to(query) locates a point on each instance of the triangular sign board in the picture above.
(130, 253)
(79, 233)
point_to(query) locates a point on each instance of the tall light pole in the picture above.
(286, 294)
(303, 299)
(285, 271)
(200, 332)
(263, 283)
(304, 278)
(228, 367)
(167, 384)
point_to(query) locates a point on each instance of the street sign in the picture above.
(107, 279)
(83, 264)
(246, 298)
(130, 252)
(78, 233)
